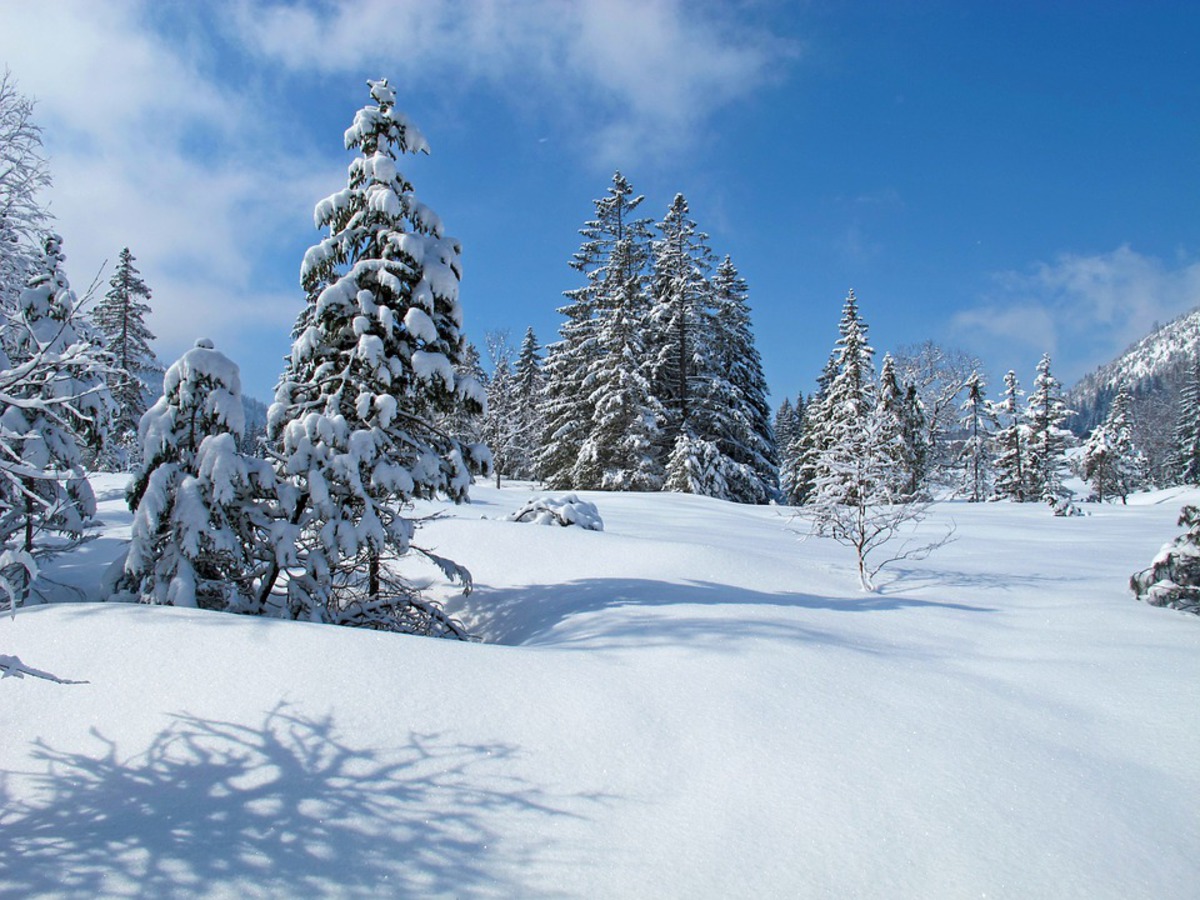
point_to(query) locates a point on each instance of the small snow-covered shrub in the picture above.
(1064, 506)
(1173, 579)
(568, 510)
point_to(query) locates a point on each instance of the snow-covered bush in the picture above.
(1173, 579)
(568, 510)
(197, 517)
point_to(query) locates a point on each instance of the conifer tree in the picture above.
(849, 404)
(372, 369)
(785, 424)
(620, 452)
(812, 438)
(977, 421)
(1012, 438)
(890, 411)
(1187, 428)
(1047, 439)
(735, 393)
(1111, 461)
(681, 292)
(501, 430)
(201, 509)
(567, 409)
(120, 321)
(528, 386)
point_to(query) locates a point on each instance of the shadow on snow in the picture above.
(283, 809)
(529, 614)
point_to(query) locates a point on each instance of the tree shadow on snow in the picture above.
(284, 809)
(529, 614)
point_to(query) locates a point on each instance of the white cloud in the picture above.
(630, 75)
(1082, 309)
(121, 108)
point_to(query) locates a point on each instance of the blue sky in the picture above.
(1007, 178)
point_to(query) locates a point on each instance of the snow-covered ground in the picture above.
(692, 702)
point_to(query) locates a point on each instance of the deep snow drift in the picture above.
(692, 702)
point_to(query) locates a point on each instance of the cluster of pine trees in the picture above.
(655, 382)
(306, 525)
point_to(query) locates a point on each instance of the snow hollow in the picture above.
(692, 702)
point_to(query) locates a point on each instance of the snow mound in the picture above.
(568, 510)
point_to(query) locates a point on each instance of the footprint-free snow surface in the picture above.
(691, 703)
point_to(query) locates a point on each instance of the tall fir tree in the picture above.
(620, 452)
(849, 404)
(736, 394)
(372, 369)
(1047, 438)
(567, 409)
(681, 301)
(120, 320)
(812, 438)
(528, 386)
(978, 423)
(1011, 462)
(1111, 460)
(501, 430)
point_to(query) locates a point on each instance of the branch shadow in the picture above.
(284, 809)
(530, 614)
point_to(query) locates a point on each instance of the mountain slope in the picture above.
(1150, 369)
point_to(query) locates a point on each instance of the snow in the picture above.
(689, 703)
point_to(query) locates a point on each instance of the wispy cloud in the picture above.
(631, 76)
(127, 116)
(1082, 309)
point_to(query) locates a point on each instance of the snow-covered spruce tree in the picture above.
(501, 428)
(620, 451)
(734, 395)
(681, 300)
(202, 510)
(1187, 428)
(53, 404)
(848, 404)
(371, 370)
(120, 321)
(1011, 462)
(1173, 579)
(1111, 461)
(528, 386)
(801, 473)
(978, 423)
(917, 443)
(785, 423)
(890, 411)
(1047, 439)
(567, 409)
